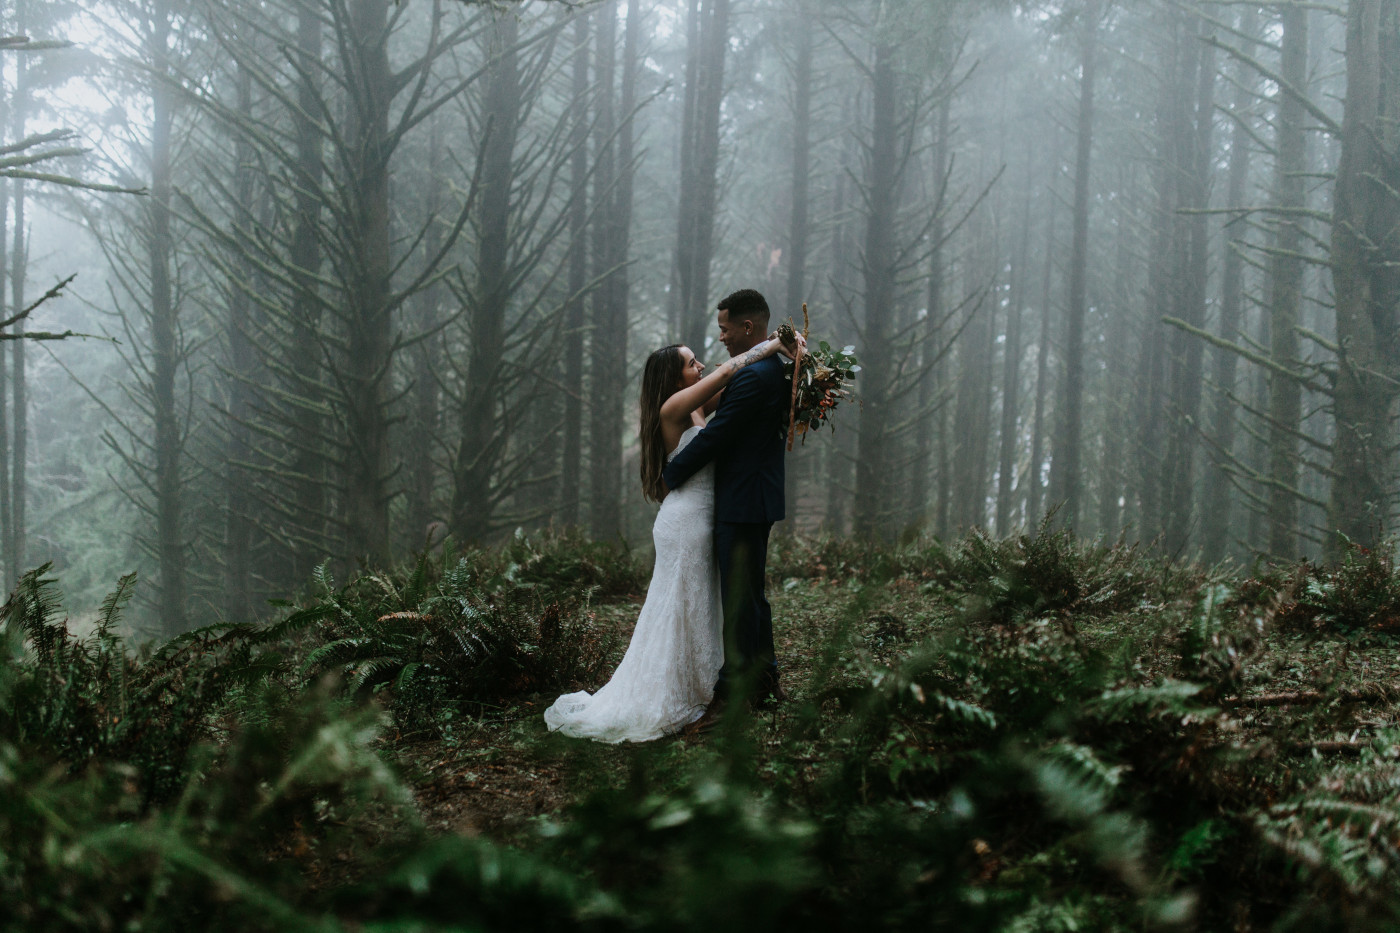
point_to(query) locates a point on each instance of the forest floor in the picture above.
(505, 773)
(1036, 733)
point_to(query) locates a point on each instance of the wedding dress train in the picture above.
(667, 677)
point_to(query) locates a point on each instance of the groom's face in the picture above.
(737, 335)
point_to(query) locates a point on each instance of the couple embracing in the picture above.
(704, 637)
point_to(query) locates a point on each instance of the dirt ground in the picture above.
(507, 771)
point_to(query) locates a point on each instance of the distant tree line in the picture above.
(397, 265)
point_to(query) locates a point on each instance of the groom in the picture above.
(745, 440)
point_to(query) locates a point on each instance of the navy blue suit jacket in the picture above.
(745, 439)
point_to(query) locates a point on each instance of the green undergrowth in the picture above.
(1037, 733)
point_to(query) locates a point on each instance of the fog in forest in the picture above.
(352, 275)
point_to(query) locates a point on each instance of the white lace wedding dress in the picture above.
(667, 677)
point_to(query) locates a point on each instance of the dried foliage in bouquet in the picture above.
(820, 378)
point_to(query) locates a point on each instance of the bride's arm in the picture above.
(682, 403)
(713, 402)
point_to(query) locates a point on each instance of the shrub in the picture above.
(1359, 595)
(82, 700)
(431, 642)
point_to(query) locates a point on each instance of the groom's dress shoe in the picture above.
(707, 722)
(770, 696)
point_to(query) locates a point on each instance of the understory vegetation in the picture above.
(1037, 733)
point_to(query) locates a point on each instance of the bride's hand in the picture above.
(789, 352)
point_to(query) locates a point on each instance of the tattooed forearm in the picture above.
(752, 356)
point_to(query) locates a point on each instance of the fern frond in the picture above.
(367, 670)
(116, 600)
(964, 712)
(293, 623)
(30, 610)
(321, 578)
(340, 651)
(1169, 698)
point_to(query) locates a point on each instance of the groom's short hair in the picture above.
(746, 304)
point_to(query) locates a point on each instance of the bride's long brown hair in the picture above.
(659, 380)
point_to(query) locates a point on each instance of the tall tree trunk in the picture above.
(1366, 277)
(16, 561)
(1162, 276)
(699, 188)
(932, 370)
(873, 507)
(238, 504)
(165, 349)
(797, 223)
(308, 462)
(1065, 479)
(1286, 291)
(606, 376)
(426, 401)
(620, 239)
(481, 438)
(571, 474)
(12, 572)
(970, 480)
(1034, 503)
(1188, 368)
(840, 464)
(369, 341)
(1011, 370)
(1117, 378)
(19, 447)
(678, 313)
(1215, 502)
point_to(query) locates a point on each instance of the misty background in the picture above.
(399, 264)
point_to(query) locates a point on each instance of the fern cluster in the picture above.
(431, 640)
(1065, 735)
(1358, 595)
(90, 699)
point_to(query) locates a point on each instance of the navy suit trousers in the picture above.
(741, 549)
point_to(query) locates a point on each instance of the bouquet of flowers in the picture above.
(820, 379)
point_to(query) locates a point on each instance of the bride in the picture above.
(667, 676)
